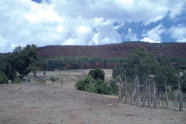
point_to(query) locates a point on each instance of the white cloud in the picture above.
(154, 35)
(42, 13)
(178, 32)
(179, 8)
(131, 36)
(60, 28)
(69, 41)
(83, 29)
(150, 40)
(102, 22)
(95, 39)
(124, 4)
(85, 22)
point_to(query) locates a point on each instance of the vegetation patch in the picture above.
(94, 82)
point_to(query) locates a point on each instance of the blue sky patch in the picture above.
(38, 1)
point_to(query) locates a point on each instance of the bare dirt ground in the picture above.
(34, 103)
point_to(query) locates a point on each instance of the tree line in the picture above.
(65, 63)
(61, 63)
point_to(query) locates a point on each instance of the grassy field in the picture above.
(67, 77)
(37, 103)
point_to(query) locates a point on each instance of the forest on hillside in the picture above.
(121, 50)
(65, 63)
(60, 63)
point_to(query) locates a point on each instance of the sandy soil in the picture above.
(43, 104)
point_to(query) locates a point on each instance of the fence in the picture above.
(148, 95)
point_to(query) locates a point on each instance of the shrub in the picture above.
(81, 84)
(97, 74)
(17, 80)
(101, 87)
(3, 79)
(28, 80)
(90, 88)
(94, 86)
(52, 78)
(113, 86)
(44, 73)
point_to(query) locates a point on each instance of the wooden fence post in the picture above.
(126, 90)
(180, 96)
(145, 92)
(155, 100)
(119, 91)
(166, 95)
(137, 89)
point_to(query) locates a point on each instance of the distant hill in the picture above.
(113, 50)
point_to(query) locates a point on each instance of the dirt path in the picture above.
(43, 104)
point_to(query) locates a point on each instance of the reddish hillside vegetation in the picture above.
(114, 50)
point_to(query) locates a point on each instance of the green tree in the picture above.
(3, 78)
(6, 66)
(139, 68)
(97, 74)
(24, 59)
(183, 81)
(141, 62)
(165, 72)
(35, 66)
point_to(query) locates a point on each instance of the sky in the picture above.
(90, 22)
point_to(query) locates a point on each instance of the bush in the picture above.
(52, 78)
(91, 85)
(101, 87)
(90, 88)
(17, 80)
(81, 84)
(44, 73)
(3, 79)
(97, 74)
(28, 80)
(96, 85)
(113, 86)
